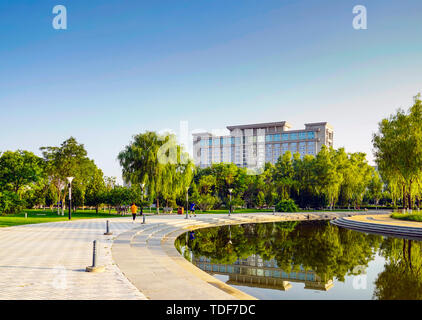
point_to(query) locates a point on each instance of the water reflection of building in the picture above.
(256, 272)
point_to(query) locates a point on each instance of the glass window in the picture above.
(268, 138)
(311, 135)
(217, 142)
(276, 137)
(285, 136)
(293, 136)
(302, 135)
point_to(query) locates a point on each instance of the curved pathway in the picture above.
(383, 225)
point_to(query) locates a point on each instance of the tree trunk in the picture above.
(96, 209)
(404, 197)
(409, 253)
(158, 206)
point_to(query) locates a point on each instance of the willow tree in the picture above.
(398, 150)
(159, 163)
(328, 178)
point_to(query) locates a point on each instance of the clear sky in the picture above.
(123, 67)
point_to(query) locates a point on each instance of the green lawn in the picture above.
(226, 211)
(407, 216)
(41, 216)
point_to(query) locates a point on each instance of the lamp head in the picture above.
(142, 185)
(230, 190)
(70, 179)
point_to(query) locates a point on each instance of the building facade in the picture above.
(252, 145)
(257, 272)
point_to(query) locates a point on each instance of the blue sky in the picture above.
(123, 67)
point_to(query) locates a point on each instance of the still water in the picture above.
(306, 260)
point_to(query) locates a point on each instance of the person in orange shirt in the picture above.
(133, 209)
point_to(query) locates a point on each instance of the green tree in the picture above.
(160, 163)
(19, 169)
(68, 160)
(398, 151)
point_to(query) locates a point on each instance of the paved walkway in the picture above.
(47, 261)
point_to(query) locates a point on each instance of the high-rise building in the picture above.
(252, 145)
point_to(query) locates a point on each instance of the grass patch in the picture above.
(226, 211)
(407, 216)
(42, 216)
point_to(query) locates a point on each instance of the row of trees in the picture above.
(333, 177)
(27, 180)
(157, 169)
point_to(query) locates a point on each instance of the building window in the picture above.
(302, 135)
(311, 135)
(293, 136)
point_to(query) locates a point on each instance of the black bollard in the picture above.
(94, 267)
(94, 254)
(107, 233)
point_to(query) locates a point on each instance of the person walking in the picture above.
(192, 208)
(133, 209)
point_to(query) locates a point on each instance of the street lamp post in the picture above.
(187, 202)
(142, 202)
(230, 203)
(70, 196)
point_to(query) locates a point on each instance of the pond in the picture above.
(306, 260)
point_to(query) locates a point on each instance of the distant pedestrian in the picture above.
(192, 208)
(134, 209)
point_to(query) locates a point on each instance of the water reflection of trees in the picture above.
(317, 246)
(402, 275)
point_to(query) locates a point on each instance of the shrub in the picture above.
(10, 202)
(286, 206)
(206, 202)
